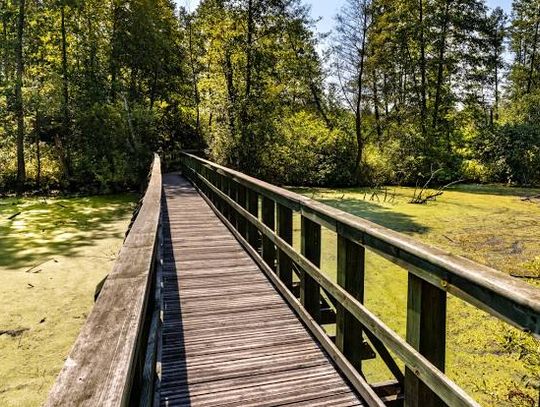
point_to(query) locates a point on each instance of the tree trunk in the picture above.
(19, 104)
(231, 92)
(423, 103)
(113, 64)
(533, 53)
(247, 146)
(358, 107)
(376, 109)
(5, 58)
(65, 100)
(37, 131)
(440, 66)
(195, 81)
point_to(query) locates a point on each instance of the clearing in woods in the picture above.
(53, 252)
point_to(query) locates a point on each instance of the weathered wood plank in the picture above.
(310, 292)
(426, 332)
(101, 366)
(350, 275)
(227, 335)
(268, 218)
(285, 231)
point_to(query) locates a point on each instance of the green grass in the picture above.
(52, 255)
(494, 362)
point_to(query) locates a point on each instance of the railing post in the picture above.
(241, 199)
(426, 332)
(310, 293)
(234, 195)
(219, 185)
(268, 218)
(285, 231)
(350, 276)
(225, 189)
(253, 208)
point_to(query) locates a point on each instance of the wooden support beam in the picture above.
(241, 199)
(310, 293)
(253, 236)
(285, 231)
(269, 219)
(232, 194)
(350, 275)
(426, 332)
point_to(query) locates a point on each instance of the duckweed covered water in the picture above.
(53, 252)
(492, 225)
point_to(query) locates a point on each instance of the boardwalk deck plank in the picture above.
(228, 338)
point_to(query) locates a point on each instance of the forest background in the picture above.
(401, 89)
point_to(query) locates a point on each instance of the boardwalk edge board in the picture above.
(108, 353)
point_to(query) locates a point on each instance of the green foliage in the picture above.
(406, 88)
(308, 153)
(99, 110)
(512, 153)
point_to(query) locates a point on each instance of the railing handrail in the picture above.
(513, 301)
(432, 272)
(102, 364)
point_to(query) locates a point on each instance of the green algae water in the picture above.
(495, 363)
(53, 253)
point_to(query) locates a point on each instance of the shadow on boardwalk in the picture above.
(174, 367)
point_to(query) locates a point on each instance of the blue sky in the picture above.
(327, 9)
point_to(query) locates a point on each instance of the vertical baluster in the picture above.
(350, 276)
(241, 199)
(269, 219)
(426, 332)
(253, 208)
(310, 294)
(285, 231)
(233, 193)
(226, 190)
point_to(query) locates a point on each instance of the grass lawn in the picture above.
(495, 363)
(52, 255)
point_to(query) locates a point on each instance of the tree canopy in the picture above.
(89, 89)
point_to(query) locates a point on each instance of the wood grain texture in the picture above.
(228, 338)
(100, 368)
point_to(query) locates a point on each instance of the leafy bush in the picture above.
(512, 153)
(306, 152)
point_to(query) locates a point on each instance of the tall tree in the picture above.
(354, 22)
(19, 103)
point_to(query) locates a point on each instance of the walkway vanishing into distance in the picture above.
(228, 338)
(209, 304)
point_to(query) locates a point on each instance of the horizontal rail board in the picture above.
(100, 368)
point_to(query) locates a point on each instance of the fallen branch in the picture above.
(14, 332)
(420, 199)
(14, 215)
(39, 264)
(530, 198)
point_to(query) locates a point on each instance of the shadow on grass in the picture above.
(378, 214)
(494, 189)
(57, 227)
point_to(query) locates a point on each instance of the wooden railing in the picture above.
(267, 235)
(106, 366)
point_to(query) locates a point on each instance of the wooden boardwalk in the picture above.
(227, 337)
(188, 315)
